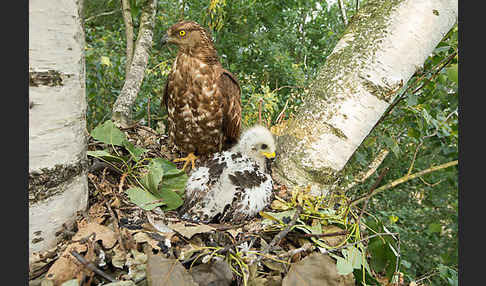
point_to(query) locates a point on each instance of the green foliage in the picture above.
(159, 181)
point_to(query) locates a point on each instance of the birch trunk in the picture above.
(58, 185)
(122, 109)
(379, 52)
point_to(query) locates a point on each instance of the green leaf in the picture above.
(434, 227)
(136, 152)
(452, 73)
(344, 266)
(153, 178)
(108, 133)
(105, 155)
(393, 145)
(143, 198)
(168, 167)
(412, 100)
(172, 199)
(174, 182)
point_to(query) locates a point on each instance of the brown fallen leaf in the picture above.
(188, 230)
(162, 271)
(67, 266)
(332, 240)
(103, 233)
(214, 273)
(316, 269)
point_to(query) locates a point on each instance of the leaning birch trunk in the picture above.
(379, 52)
(58, 186)
(122, 109)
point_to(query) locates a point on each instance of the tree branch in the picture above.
(101, 14)
(343, 12)
(127, 18)
(405, 179)
(122, 108)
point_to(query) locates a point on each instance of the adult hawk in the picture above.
(201, 97)
(232, 186)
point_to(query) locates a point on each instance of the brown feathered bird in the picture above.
(202, 98)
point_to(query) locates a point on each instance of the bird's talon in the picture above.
(190, 158)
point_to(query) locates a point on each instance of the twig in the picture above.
(122, 181)
(287, 86)
(127, 18)
(343, 12)
(260, 111)
(280, 116)
(370, 193)
(429, 184)
(357, 242)
(357, 5)
(281, 234)
(117, 227)
(372, 167)
(91, 266)
(148, 111)
(307, 246)
(337, 233)
(414, 157)
(405, 179)
(101, 14)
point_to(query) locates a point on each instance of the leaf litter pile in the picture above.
(131, 233)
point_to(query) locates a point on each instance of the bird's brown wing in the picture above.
(230, 91)
(165, 95)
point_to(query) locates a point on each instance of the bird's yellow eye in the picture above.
(182, 33)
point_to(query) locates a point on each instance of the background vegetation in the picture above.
(275, 48)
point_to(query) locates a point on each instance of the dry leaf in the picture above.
(155, 240)
(137, 265)
(215, 273)
(67, 266)
(119, 258)
(316, 269)
(103, 233)
(188, 230)
(97, 212)
(167, 272)
(332, 240)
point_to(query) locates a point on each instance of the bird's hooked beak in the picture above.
(164, 39)
(268, 154)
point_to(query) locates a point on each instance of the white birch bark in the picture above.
(379, 52)
(122, 108)
(57, 119)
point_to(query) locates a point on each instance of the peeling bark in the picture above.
(380, 50)
(122, 108)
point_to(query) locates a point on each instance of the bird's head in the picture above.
(186, 35)
(257, 143)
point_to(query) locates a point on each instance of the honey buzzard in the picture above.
(201, 97)
(232, 186)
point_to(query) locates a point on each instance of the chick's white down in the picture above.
(232, 184)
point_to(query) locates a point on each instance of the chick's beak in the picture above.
(268, 154)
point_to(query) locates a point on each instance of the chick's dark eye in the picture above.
(264, 146)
